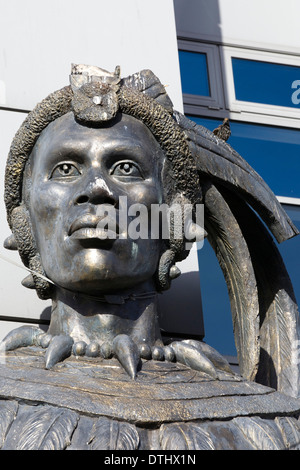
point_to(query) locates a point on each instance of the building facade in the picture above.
(218, 58)
(241, 60)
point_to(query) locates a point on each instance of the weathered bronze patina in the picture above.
(103, 369)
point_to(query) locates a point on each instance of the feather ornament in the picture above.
(8, 411)
(184, 436)
(47, 428)
(290, 431)
(239, 207)
(263, 434)
(107, 434)
(227, 240)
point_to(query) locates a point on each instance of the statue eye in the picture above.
(64, 170)
(126, 168)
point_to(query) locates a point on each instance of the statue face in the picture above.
(75, 171)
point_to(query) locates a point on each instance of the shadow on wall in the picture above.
(45, 318)
(198, 18)
(177, 308)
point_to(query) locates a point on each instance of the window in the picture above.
(265, 82)
(218, 329)
(262, 87)
(200, 71)
(194, 73)
(249, 85)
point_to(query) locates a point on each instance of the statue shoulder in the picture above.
(83, 404)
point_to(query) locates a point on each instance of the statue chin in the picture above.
(97, 285)
(102, 271)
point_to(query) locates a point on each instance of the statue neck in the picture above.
(87, 318)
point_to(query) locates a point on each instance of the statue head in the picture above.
(91, 145)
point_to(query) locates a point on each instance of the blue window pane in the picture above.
(215, 303)
(272, 151)
(267, 83)
(290, 250)
(194, 73)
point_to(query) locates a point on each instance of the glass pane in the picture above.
(215, 303)
(267, 83)
(194, 73)
(273, 152)
(290, 250)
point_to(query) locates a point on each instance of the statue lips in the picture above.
(86, 228)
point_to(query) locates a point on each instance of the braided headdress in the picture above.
(95, 96)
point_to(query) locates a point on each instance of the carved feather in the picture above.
(234, 258)
(263, 434)
(43, 428)
(108, 434)
(278, 311)
(258, 284)
(184, 436)
(290, 431)
(8, 411)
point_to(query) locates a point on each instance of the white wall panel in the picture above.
(270, 24)
(40, 39)
(38, 42)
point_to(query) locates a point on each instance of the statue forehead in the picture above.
(123, 129)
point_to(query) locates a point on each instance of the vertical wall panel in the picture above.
(38, 42)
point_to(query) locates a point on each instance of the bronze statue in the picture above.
(78, 156)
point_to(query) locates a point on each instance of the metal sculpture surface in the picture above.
(79, 155)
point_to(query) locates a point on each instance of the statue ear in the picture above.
(176, 249)
(25, 243)
(22, 231)
(163, 279)
(167, 270)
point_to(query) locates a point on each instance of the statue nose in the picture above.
(96, 192)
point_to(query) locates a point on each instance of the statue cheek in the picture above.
(47, 209)
(146, 194)
(49, 199)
